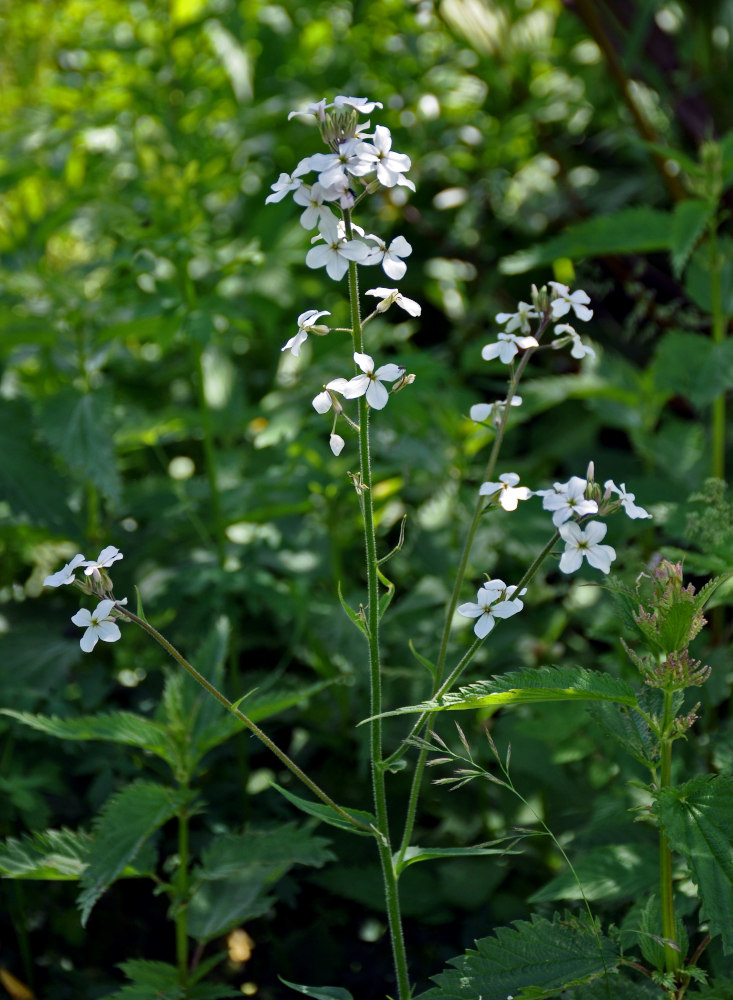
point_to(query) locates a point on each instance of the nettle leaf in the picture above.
(319, 992)
(693, 366)
(126, 822)
(610, 872)
(690, 218)
(272, 847)
(632, 230)
(149, 979)
(544, 955)
(114, 727)
(617, 988)
(78, 427)
(55, 855)
(328, 815)
(528, 686)
(629, 729)
(697, 818)
(217, 907)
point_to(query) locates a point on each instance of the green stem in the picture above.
(253, 727)
(719, 327)
(379, 791)
(182, 890)
(209, 455)
(671, 953)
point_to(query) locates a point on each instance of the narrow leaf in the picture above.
(326, 814)
(690, 218)
(429, 666)
(414, 854)
(319, 992)
(355, 617)
(386, 599)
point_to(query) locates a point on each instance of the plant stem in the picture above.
(719, 325)
(253, 727)
(181, 903)
(209, 455)
(671, 953)
(379, 791)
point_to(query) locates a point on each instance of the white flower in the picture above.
(336, 253)
(569, 334)
(331, 166)
(306, 322)
(98, 625)
(511, 494)
(323, 402)
(106, 557)
(627, 500)
(390, 295)
(481, 412)
(389, 166)
(65, 575)
(489, 607)
(581, 542)
(525, 312)
(506, 346)
(567, 500)
(369, 384)
(362, 104)
(312, 197)
(390, 256)
(565, 300)
(336, 443)
(288, 182)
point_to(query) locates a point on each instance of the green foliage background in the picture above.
(145, 293)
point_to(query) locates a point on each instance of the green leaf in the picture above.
(610, 872)
(614, 987)
(356, 618)
(57, 855)
(149, 979)
(697, 818)
(114, 727)
(271, 847)
(386, 599)
(415, 854)
(691, 365)
(674, 626)
(632, 230)
(319, 992)
(549, 956)
(697, 277)
(216, 907)
(328, 815)
(690, 218)
(429, 666)
(126, 822)
(629, 729)
(528, 686)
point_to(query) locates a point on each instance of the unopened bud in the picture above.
(402, 381)
(320, 330)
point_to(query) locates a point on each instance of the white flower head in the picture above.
(389, 296)
(519, 319)
(98, 625)
(567, 500)
(482, 412)
(507, 345)
(389, 166)
(569, 335)
(489, 606)
(585, 543)
(506, 490)
(312, 197)
(306, 322)
(370, 382)
(288, 182)
(323, 402)
(390, 257)
(66, 575)
(565, 300)
(626, 499)
(337, 252)
(106, 557)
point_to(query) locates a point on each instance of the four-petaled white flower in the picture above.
(306, 322)
(506, 346)
(390, 257)
(66, 575)
(509, 494)
(370, 383)
(98, 625)
(489, 606)
(565, 300)
(568, 334)
(323, 402)
(585, 542)
(525, 312)
(288, 182)
(393, 295)
(336, 253)
(389, 166)
(106, 557)
(481, 412)
(312, 197)
(627, 500)
(567, 500)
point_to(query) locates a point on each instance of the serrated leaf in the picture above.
(216, 907)
(547, 956)
(632, 230)
(149, 979)
(692, 366)
(415, 854)
(690, 218)
(616, 988)
(530, 686)
(610, 872)
(673, 626)
(328, 815)
(319, 992)
(271, 847)
(629, 729)
(49, 854)
(697, 818)
(114, 727)
(705, 594)
(126, 822)
(697, 276)
(355, 617)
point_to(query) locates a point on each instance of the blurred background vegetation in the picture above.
(145, 293)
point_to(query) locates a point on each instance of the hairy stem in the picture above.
(671, 951)
(181, 892)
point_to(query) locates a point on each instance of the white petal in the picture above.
(484, 625)
(389, 372)
(364, 362)
(336, 443)
(108, 631)
(82, 618)
(376, 395)
(89, 640)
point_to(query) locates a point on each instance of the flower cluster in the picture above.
(358, 163)
(100, 623)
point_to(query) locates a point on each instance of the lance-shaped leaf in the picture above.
(51, 854)
(328, 815)
(544, 955)
(319, 992)
(415, 854)
(525, 686)
(127, 821)
(697, 818)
